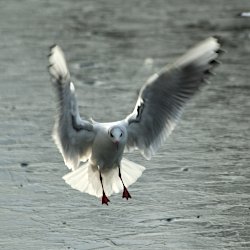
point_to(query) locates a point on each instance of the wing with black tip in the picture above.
(72, 134)
(162, 98)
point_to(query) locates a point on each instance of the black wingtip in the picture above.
(220, 40)
(50, 50)
(209, 72)
(49, 66)
(221, 51)
(215, 63)
(52, 46)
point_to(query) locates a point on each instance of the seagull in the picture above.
(93, 151)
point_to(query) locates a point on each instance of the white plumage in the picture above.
(94, 151)
(79, 179)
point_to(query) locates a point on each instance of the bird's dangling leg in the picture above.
(125, 194)
(105, 199)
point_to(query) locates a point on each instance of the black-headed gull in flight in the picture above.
(94, 151)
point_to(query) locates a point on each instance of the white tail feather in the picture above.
(87, 178)
(130, 171)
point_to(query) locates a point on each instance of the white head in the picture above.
(116, 134)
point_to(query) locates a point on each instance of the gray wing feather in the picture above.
(164, 95)
(72, 135)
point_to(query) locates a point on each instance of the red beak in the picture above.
(117, 144)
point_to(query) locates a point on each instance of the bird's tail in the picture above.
(87, 178)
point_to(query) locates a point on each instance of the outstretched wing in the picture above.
(72, 135)
(164, 95)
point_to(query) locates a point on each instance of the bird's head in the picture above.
(117, 135)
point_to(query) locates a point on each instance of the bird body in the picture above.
(94, 151)
(107, 151)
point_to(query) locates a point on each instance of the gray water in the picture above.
(194, 193)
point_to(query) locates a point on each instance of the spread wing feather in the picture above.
(72, 134)
(162, 98)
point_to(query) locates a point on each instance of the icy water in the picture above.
(194, 194)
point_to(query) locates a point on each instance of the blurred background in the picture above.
(194, 193)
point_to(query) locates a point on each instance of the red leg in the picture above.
(105, 199)
(125, 194)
